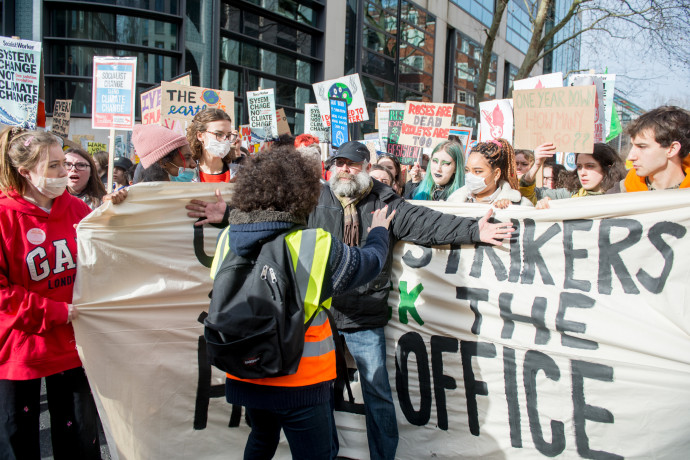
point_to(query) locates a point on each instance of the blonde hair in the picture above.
(20, 148)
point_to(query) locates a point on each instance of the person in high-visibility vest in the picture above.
(265, 204)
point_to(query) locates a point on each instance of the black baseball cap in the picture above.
(353, 151)
(122, 162)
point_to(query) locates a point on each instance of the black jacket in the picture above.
(367, 306)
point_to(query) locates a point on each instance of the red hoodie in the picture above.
(38, 264)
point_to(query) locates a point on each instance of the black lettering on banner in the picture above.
(570, 253)
(474, 387)
(609, 254)
(515, 253)
(474, 295)
(510, 379)
(199, 251)
(417, 262)
(533, 257)
(453, 259)
(575, 300)
(583, 411)
(205, 391)
(534, 362)
(412, 342)
(536, 319)
(656, 285)
(442, 382)
(499, 268)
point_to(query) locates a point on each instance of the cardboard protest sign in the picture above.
(406, 154)
(283, 126)
(604, 106)
(496, 120)
(339, 126)
(262, 111)
(313, 123)
(61, 115)
(348, 88)
(564, 116)
(463, 135)
(114, 86)
(382, 113)
(570, 340)
(425, 124)
(93, 146)
(182, 102)
(151, 100)
(599, 113)
(20, 84)
(550, 80)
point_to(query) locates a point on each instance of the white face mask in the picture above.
(51, 187)
(474, 183)
(216, 148)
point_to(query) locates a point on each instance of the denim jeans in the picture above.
(368, 347)
(308, 431)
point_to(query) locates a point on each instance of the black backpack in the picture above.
(255, 324)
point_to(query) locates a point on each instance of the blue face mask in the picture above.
(184, 175)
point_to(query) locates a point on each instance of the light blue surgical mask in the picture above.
(184, 175)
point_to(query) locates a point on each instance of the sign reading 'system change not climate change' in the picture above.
(20, 66)
(113, 92)
(563, 116)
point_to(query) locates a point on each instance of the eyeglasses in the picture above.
(77, 166)
(220, 136)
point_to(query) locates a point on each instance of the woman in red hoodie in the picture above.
(38, 261)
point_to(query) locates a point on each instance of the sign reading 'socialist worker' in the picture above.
(20, 67)
(113, 92)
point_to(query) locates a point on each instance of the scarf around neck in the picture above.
(350, 217)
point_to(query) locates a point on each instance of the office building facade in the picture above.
(403, 50)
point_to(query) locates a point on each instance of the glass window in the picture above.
(375, 64)
(269, 31)
(248, 55)
(290, 9)
(167, 6)
(112, 28)
(379, 42)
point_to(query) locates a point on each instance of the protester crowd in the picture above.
(363, 207)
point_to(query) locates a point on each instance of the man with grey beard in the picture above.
(345, 210)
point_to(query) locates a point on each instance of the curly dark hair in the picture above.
(668, 123)
(264, 184)
(500, 154)
(610, 162)
(199, 123)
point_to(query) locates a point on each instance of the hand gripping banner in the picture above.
(571, 340)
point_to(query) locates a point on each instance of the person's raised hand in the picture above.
(379, 218)
(211, 212)
(544, 152)
(494, 233)
(416, 173)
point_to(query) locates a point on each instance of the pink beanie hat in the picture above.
(153, 142)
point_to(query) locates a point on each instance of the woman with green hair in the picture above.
(445, 173)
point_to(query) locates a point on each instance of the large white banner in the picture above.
(570, 340)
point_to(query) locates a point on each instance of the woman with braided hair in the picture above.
(490, 176)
